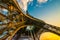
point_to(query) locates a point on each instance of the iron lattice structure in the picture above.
(15, 22)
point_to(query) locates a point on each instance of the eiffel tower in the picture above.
(15, 22)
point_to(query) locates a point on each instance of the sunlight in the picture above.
(49, 36)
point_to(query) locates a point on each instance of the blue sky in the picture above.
(48, 11)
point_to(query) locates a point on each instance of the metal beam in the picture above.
(4, 5)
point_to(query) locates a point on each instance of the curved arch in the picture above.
(10, 37)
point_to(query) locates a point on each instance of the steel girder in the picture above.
(20, 20)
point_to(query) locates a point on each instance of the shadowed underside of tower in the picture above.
(15, 25)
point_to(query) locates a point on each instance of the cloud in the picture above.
(23, 4)
(42, 1)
